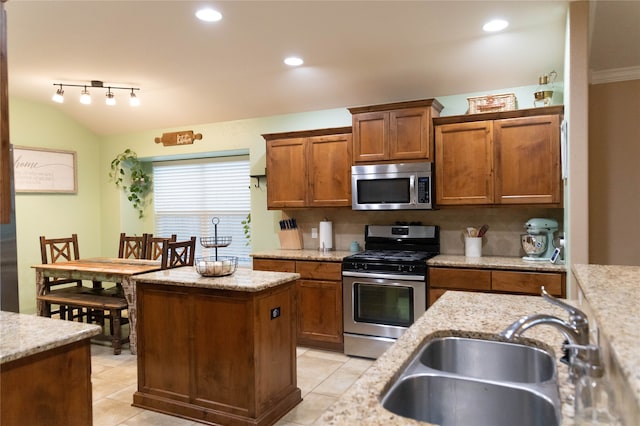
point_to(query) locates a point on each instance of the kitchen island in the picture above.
(46, 370)
(217, 350)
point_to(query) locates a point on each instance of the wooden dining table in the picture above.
(100, 269)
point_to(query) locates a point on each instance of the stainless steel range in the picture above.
(385, 286)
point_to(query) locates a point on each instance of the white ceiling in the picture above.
(356, 53)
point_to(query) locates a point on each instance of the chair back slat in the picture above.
(179, 253)
(53, 250)
(132, 246)
(156, 244)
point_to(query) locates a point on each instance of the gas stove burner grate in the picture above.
(391, 256)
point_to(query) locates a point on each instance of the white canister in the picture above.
(473, 246)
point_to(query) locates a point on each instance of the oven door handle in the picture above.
(383, 276)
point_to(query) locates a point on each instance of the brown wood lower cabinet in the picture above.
(318, 300)
(217, 356)
(442, 279)
(48, 388)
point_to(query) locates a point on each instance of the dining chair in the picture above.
(156, 244)
(132, 246)
(53, 250)
(178, 253)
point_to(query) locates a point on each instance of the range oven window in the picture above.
(382, 304)
(376, 191)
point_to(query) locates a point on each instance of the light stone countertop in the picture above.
(485, 262)
(328, 256)
(24, 335)
(465, 314)
(243, 279)
(613, 296)
(495, 262)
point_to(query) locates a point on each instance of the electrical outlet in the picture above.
(275, 313)
(314, 232)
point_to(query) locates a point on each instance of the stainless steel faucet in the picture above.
(576, 332)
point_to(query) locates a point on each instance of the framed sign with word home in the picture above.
(44, 170)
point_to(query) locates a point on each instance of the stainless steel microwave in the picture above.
(406, 186)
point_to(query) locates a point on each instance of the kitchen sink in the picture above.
(455, 401)
(487, 359)
(456, 381)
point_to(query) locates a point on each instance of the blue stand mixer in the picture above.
(537, 243)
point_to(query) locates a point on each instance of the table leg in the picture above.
(43, 309)
(128, 285)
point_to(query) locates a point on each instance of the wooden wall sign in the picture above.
(179, 138)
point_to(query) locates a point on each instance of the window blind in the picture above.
(189, 194)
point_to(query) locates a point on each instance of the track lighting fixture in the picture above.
(85, 96)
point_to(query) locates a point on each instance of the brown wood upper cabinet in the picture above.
(394, 132)
(499, 158)
(309, 168)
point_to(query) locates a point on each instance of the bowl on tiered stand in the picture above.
(213, 266)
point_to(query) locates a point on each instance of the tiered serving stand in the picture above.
(215, 266)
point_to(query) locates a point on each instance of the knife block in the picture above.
(290, 239)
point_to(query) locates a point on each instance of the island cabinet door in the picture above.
(223, 370)
(163, 342)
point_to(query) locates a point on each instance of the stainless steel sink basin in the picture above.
(487, 359)
(454, 401)
(459, 381)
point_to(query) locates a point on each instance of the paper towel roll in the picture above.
(326, 235)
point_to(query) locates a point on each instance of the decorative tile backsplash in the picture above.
(502, 239)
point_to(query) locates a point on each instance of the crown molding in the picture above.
(615, 74)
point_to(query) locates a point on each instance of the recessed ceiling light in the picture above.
(208, 15)
(495, 25)
(293, 61)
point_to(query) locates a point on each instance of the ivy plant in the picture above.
(246, 228)
(129, 173)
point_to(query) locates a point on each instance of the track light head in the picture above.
(85, 97)
(110, 99)
(59, 95)
(133, 100)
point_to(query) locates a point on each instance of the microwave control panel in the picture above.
(423, 190)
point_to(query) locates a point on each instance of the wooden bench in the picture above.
(103, 305)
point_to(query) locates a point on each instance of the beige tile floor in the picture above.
(322, 378)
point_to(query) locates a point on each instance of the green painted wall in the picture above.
(54, 215)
